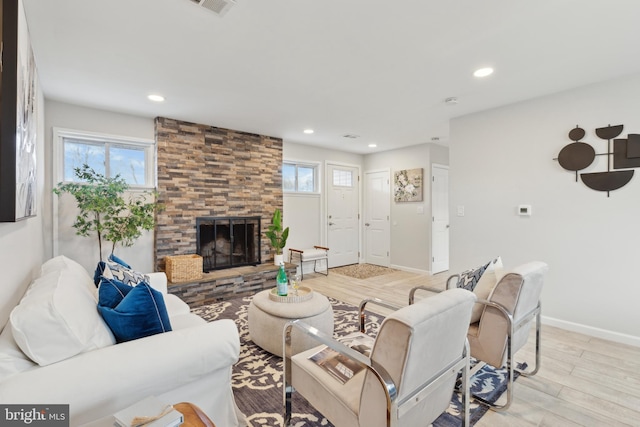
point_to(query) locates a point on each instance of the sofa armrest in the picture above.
(158, 281)
(111, 378)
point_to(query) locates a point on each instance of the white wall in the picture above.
(85, 249)
(22, 244)
(504, 157)
(305, 214)
(410, 230)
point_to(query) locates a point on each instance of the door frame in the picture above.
(324, 229)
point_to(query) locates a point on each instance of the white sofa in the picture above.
(192, 363)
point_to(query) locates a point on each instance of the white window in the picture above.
(131, 158)
(300, 177)
(342, 178)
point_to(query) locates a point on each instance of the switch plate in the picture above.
(460, 210)
(420, 209)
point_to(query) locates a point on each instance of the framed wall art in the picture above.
(18, 173)
(407, 185)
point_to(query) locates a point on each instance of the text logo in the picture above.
(34, 415)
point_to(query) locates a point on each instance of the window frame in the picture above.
(315, 166)
(107, 141)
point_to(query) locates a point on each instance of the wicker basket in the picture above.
(180, 268)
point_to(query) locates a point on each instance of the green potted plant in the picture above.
(277, 236)
(104, 210)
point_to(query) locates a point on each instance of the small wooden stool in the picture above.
(317, 253)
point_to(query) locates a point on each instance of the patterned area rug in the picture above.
(362, 271)
(257, 377)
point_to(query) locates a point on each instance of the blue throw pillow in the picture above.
(141, 313)
(111, 292)
(114, 258)
(97, 275)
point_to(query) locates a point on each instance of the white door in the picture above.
(376, 218)
(342, 215)
(440, 218)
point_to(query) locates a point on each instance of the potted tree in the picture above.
(277, 236)
(104, 210)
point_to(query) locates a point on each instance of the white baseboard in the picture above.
(592, 331)
(409, 269)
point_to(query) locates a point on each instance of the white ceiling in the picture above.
(373, 68)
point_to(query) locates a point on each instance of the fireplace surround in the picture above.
(227, 242)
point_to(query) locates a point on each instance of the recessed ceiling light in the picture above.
(308, 131)
(373, 145)
(156, 98)
(483, 72)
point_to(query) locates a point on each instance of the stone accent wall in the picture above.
(209, 171)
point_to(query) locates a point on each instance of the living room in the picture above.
(498, 159)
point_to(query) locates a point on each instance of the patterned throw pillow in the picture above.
(113, 270)
(469, 279)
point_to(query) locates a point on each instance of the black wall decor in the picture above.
(580, 155)
(18, 178)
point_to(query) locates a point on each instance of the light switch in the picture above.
(460, 210)
(420, 209)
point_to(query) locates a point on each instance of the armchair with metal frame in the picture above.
(407, 380)
(505, 323)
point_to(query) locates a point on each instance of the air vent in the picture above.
(351, 136)
(219, 7)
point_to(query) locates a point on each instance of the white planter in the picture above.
(278, 259)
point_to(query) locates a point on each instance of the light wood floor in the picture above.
(583, 381)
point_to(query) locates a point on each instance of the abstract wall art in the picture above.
(622, 155)
(18, 173)
(407, 185)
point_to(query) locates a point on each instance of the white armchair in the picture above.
(505, 322)
(409, 378)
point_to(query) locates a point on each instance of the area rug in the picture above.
(362, 271)
(257, 377)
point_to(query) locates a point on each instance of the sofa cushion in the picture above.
(111, 292)
(140, 313)
(12, 359)
(57, 317)
(123, 274)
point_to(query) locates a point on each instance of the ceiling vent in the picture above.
(219, 7)
(351, 136)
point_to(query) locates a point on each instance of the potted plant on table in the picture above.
(104, 210)
(277, 236)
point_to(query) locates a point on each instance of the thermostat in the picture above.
(524, 210)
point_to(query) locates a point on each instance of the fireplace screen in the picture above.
(225, 242)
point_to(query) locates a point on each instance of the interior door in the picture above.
(342, 215)
(376, 218)
(440, 218)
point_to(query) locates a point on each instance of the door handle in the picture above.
(331, 223)
(367, 224)
(447, 225)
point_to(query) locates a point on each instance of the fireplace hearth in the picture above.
(226, 242)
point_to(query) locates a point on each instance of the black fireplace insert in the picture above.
(225, 242)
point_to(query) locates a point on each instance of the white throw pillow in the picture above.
(58, 318)
(487, 282)
(61, 262)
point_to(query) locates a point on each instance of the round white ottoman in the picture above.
(267, 319)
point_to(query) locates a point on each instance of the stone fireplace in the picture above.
(227, 242)
(204, 172)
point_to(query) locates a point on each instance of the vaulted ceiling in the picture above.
(380, 70)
